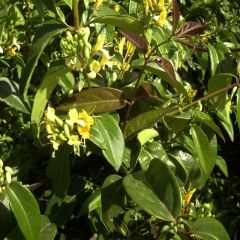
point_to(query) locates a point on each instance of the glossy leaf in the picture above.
(208, 121)
(113, 196)
(127, 22)
(9, 93)
(205, 153)
(136, 39)
(144, 120)
(221, 59)
(48, 229)
(96, 100)
(209, 229)
(143, 194)
(67, 82)
(91, 203)
(58, 171)
(137, 187)
(25, 209)
(165, 185)
(41, 40)
(176, 15)
(189, 29)
(222, 165)
(49, 82)
(147, 135)
(113, 139)
(68, 2)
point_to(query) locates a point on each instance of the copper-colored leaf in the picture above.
(147, 90)
(168, 68)
(136, 39)
(190, 29)
(175, 14)
(97, 100)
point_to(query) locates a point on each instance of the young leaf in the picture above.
(9, 93)
(25, 209)
(209, 229)
(136, 39)
(222, 165)
(143, 194)
(49, 82)
(97, 100)
(41, 40)
(113, 139)
(189, 29)
(58, 171)
(176, 15)
(126, 22)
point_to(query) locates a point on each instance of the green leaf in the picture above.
(208, 121)
(147, 135)
(127, 22)
(68, 2)
(206, 155)
(221, 102)
(165, 185)
(221, 59)
(142, 193)
(58, 170)
(67, 82)
(9, 93)
(91, 203)
(222, 165)
(113, 139)
(41, 40)
(144, 120)
(25, 209)
(49, 82)
(48, 229)
(209, 229)
(113, 196)
(96, 100)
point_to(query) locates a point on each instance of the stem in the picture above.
(205, 98)
(201, 49)
(131, 101)
(76, 14)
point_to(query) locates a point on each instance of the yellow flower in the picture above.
(187, 197)
(55, 144)
(50, 114)
(94, 68)
(162, 18)
(99, 44)
(74, 140)
(161, 4)
(11, 52)
(105, 58)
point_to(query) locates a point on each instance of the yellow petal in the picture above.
(187, 197)
(73, 115)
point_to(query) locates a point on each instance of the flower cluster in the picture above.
(5, 177)
(79, 52)
(73, 131)
(159, 7)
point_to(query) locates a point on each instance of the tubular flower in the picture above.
(187, 197)
(162, 18)
(99, 45)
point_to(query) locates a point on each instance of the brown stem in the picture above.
(131, 101)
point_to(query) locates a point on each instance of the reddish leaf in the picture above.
(190, 29)
(136, 39)
(97, 100)
(176, 14)
(147, 90)
(168, 68)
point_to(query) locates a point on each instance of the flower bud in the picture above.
(66, 130)
(8, 169)
(8, 177)
(1, 163)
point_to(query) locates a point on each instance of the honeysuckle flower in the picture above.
(187, 197)
(105, 58)
(94, 69)
(99, 44)
(11, 52)
(74, 140)
(162, 18)
(50, 114)
(160, 5)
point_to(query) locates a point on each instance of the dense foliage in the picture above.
(119, 120)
